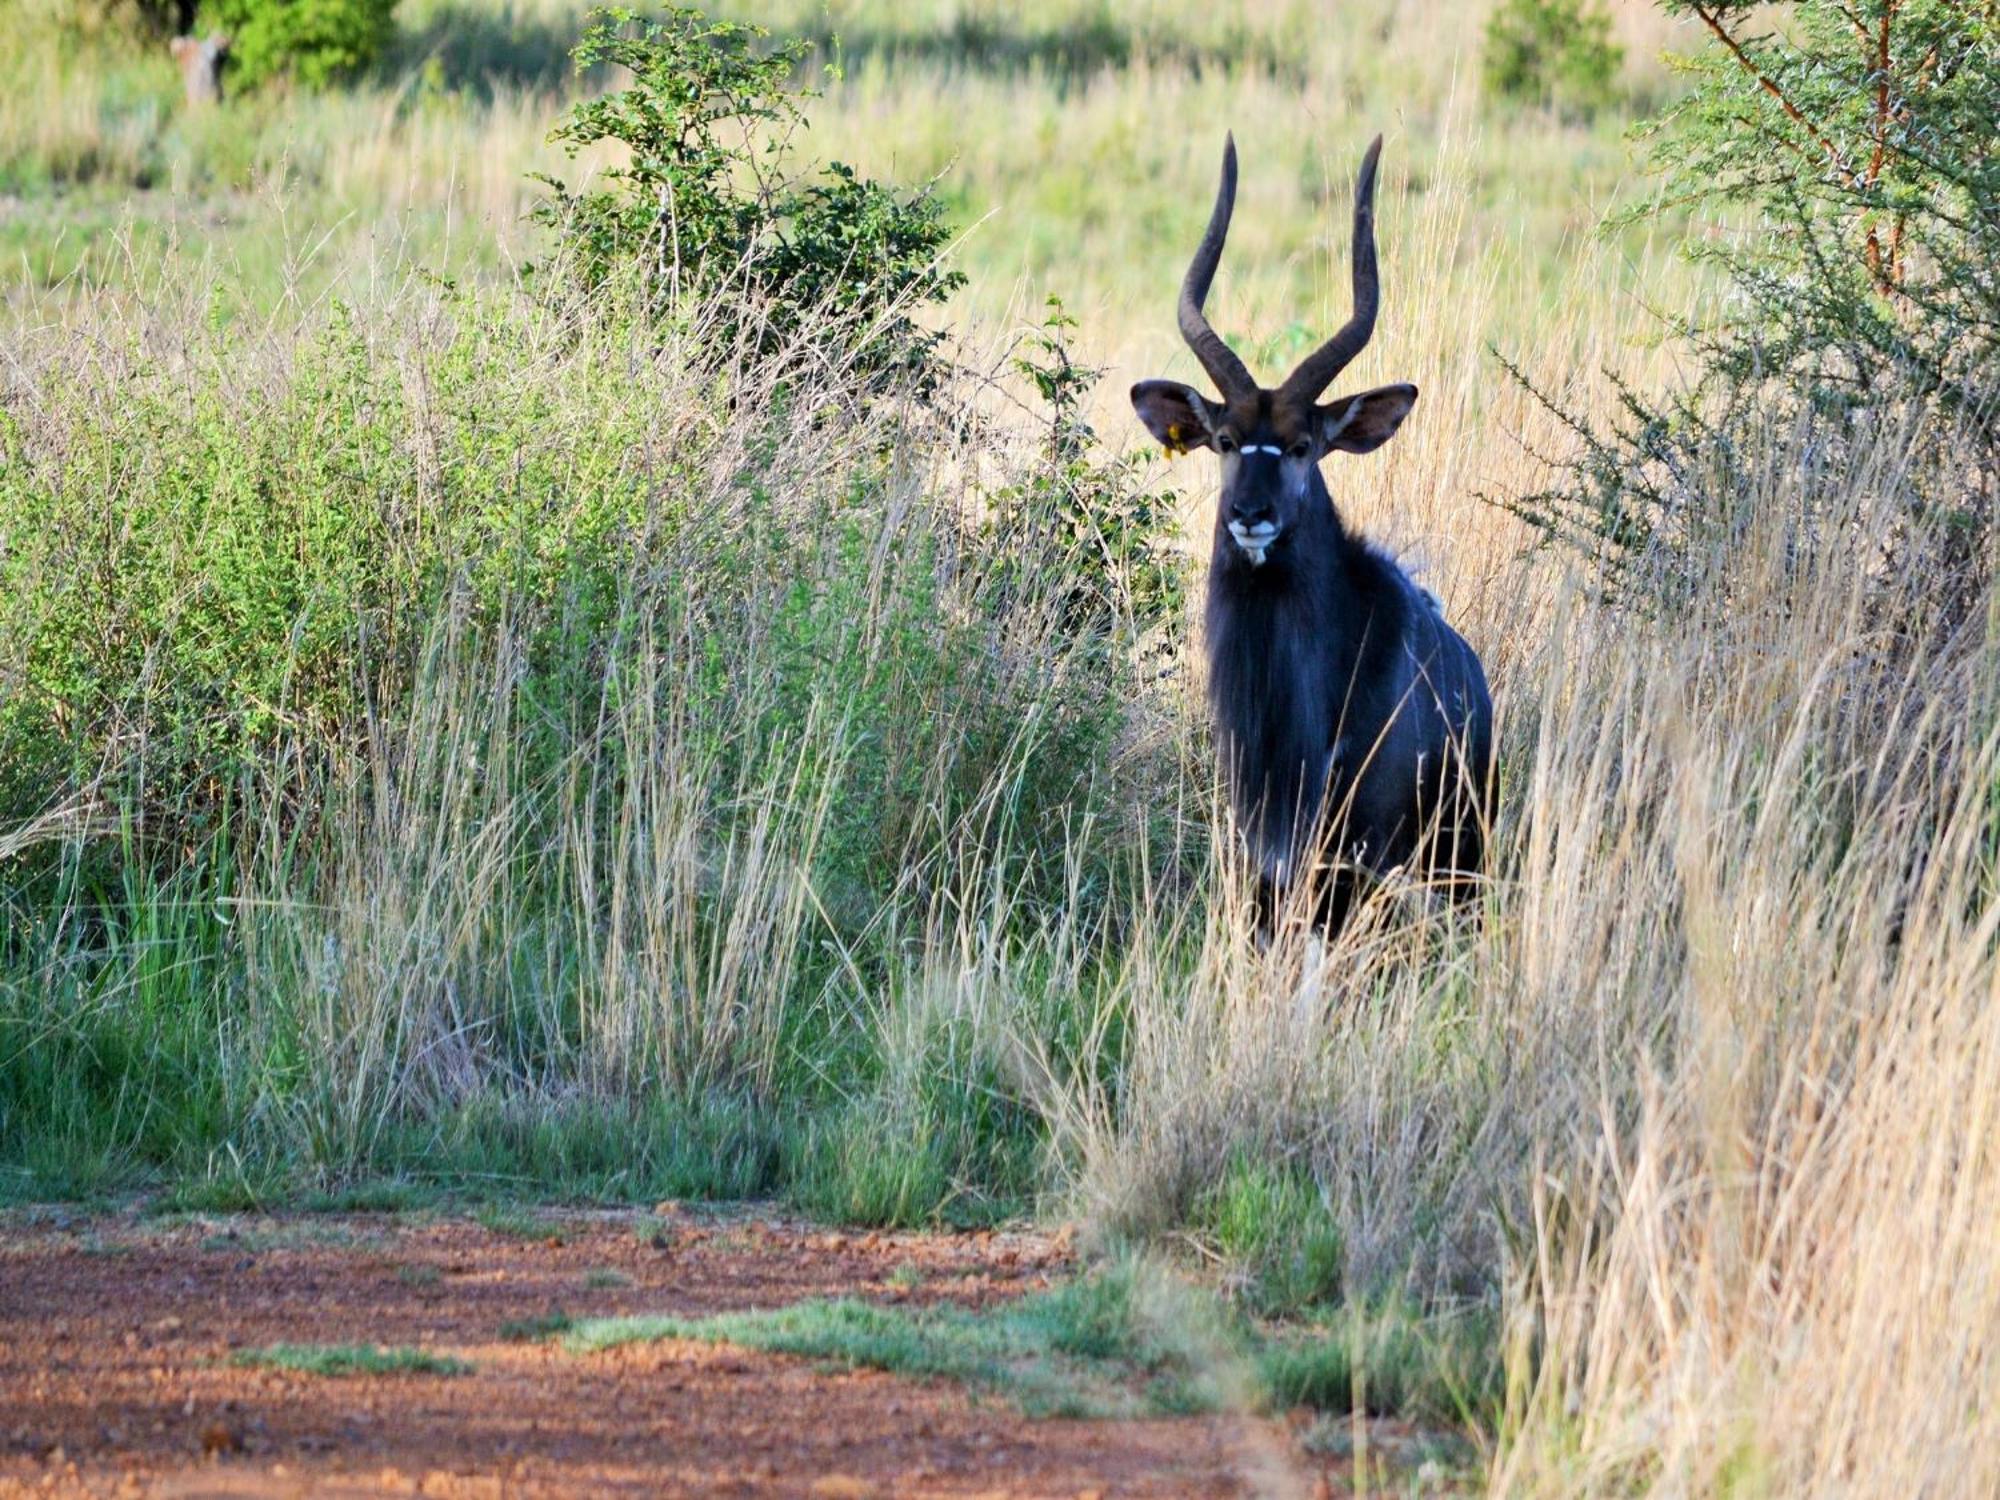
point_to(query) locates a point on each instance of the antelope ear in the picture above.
(1363, 423)
(1178, 415)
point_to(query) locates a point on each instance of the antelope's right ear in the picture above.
(1178, 415)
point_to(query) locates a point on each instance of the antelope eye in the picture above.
(1224, 443)
(1301, 449)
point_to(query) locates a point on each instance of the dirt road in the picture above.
(120, 1338)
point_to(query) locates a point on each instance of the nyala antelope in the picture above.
(1354, 723)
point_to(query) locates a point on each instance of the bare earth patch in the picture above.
(123, 1341)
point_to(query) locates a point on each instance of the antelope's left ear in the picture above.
(1363, 423)
(1178, 415)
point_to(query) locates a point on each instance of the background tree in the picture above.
(315, 41)
(711, 191)
(1552, 52)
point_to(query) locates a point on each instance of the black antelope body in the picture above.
(1355, 724)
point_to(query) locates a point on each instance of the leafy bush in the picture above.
(711, 196)
(1080, 515)
(1847, 168)
(318, 42)
(1552, 52)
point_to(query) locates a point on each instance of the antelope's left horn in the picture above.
(1317, 370)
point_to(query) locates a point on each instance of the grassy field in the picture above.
(588, 778)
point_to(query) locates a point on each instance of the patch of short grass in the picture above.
(990, 1352)
(654, 1232)
(1127, 1340)
(350, 1359)
(518, 1223)
(604, 1279)
(540, 1326)
(386, 1195)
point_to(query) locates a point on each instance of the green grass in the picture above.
(1270, 1223)
(1014, 1357)
(383, 1195)
(342, 1360)
(1126, 1341)
(537, 1328)
(516, 1223)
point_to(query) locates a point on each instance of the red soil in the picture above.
(116, 1335)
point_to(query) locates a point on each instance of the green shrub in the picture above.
(1080, 515)
(317, 42)
(1847, 186)
(1552, 52)
(711, 196)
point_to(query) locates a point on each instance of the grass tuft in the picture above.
(537, 1328)
(516, 1223)
(341, 1360)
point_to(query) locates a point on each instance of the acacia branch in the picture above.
(1770, 86)
(1884, 275)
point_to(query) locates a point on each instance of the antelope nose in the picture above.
(1250, 513)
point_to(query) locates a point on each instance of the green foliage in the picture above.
(935, 1137)
(1083, 515)
(242, 606)
(1389, 1360)
(1844, 170)
(1552, 52)
(96, 19)
(316, 42)
(711, 197)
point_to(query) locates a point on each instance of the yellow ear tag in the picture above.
(1175, 447)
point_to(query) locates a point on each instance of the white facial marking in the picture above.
(1254, 540)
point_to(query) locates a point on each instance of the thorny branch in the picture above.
(1770, 86)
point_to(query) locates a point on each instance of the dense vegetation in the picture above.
(1851, 164)
(625, 729)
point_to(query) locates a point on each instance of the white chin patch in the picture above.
(1254, 540)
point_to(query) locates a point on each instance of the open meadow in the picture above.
(493, 775)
